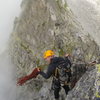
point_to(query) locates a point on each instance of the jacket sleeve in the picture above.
(49, 72)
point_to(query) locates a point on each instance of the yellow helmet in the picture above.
(48, 53)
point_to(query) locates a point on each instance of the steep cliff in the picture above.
(42, 25)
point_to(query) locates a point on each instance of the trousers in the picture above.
(57, 90)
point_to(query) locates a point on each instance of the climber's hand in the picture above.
(38, 69)
(67, 55)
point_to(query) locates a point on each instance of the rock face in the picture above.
(85, 87)
(42, 25)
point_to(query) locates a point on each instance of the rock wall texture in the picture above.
(85, 87)
(42, 25)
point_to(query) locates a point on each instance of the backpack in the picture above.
(63, 72)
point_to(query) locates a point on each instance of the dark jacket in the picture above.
(52, 66)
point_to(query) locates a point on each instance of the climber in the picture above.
(59, 68)
(58, 81)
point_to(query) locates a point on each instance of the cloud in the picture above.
(8, 10)
(7, 78)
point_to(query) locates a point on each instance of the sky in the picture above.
(8, 10)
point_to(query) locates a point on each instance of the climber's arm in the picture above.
(49, 72)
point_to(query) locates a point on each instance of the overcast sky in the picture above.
(8, 10)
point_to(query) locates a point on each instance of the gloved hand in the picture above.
(34, 74)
